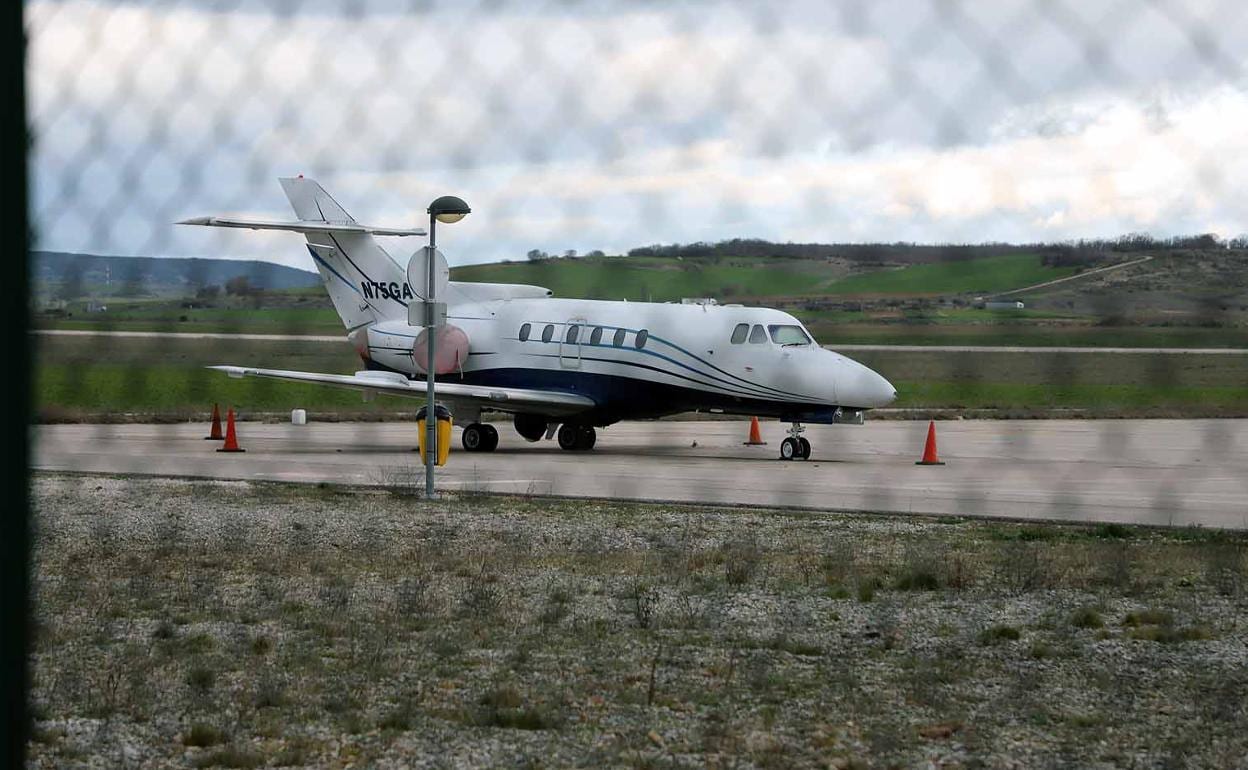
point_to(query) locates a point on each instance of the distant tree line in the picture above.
(238, 286)
(1075, 253)
(537, 255)
(1061, 253)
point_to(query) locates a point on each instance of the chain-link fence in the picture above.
(582, 134)
(1028, 216)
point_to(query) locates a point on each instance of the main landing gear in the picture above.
(480, 437)
(795, 447)
(572, 436)
(575, 436)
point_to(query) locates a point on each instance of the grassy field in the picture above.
(218, 320)
(1116, 384)
(839, 301)
(86, 378)
(967, 327)
(77, 376)
(1042, 334)
(198, 624)
(666, 279)
(991, 274)
(662, 280)
(293, 311)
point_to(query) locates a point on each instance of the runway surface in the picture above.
(341, 339)
(1168, 472)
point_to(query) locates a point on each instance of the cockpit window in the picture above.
(757, 335)
(788, 334)
(739, 333)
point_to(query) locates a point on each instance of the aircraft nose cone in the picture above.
(867, 390)
(886, 393)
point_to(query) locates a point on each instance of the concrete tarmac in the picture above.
(1167, 472)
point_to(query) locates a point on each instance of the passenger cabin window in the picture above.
(524, 332)
(640, 341)
(619, 338)
(548, 333)
(788, 334)
(740, 333)
(595, 336)
(574, 332)
(758, 335)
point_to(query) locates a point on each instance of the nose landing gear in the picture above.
(795, 447)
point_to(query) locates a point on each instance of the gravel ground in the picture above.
(199, 624)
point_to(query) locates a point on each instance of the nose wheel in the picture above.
(795, 447)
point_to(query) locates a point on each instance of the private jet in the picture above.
(562, 367)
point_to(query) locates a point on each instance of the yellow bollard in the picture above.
(444, 433)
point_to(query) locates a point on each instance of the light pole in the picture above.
(448, 209)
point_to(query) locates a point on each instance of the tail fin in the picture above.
(364, 282)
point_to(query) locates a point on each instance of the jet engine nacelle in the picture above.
(450, 350)
(531, 426)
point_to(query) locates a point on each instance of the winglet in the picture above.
(234, 372)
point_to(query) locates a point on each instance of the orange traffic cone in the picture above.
(231, 438)
(929, 449)
(215, 433)
(756, 438)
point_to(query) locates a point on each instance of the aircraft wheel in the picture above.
(573, 436)
(479, 438)
(805, 446)
(490, 436)
(790, 449)
(569, 436)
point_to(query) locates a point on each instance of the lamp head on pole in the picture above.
(448, 209)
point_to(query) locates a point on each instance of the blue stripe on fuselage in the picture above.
(757, 392)
(659, 370)
(619, 397)
(763, 390)
(330, 268)
(360, 270)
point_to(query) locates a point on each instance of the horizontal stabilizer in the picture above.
(301, 226)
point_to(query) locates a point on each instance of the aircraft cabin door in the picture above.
(574, 332)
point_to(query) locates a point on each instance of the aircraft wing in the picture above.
(547, 402)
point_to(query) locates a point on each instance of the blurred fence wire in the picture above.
(832, 136)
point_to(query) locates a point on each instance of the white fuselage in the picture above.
(647, 359)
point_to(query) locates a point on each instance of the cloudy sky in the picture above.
(611, 125)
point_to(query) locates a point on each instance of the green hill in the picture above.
(71, 276)
(661, 279)
(986, 275)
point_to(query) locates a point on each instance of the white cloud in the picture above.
(616, 125)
